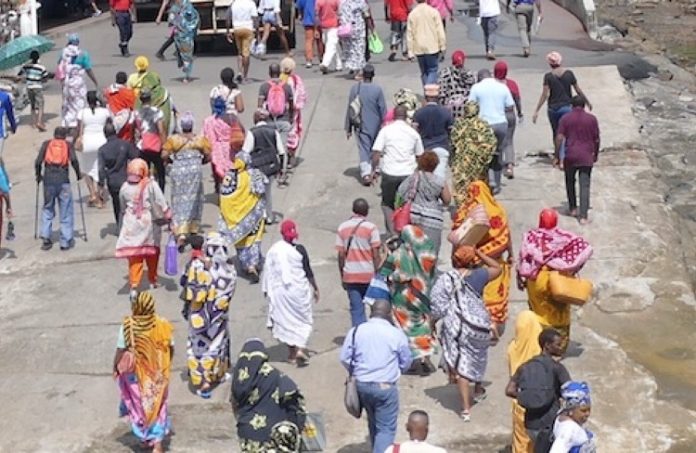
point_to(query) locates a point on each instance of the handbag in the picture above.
(345, 31)
(567, 289)
(402, 215)
(355, 110)
(171, 266)
(351, 399)
(374, 43)
(472, 230)
(314, 433)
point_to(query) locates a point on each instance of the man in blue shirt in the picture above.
(6, 110)
(378, 353)
(308, 17)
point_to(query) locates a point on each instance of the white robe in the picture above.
(289, 293)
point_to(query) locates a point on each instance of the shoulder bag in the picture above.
(355, 110)
(351, 399)
(402, 215)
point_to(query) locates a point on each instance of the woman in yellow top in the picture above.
(523, 347)
(546, 249)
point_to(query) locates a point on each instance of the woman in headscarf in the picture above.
(522, 348)
(208, 292)
(288, 281)
(474, 144)
(185, 30)
(500, 71)
(226, 136)
(73, 65)
(264, 401)
(242, 208)
(354, 14)
(149, 81)
(455, 84)
(546, 249)
(569, 434)
(187, 154)
(409, 272)
(143, 210)
(466, 331)
(408, 99)
(299, 99)
(142, 365)
(495, 244)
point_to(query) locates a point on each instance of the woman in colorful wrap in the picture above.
(226, 136)
(568, 432)
(466, 330)
(242, 208)
(71, 72)
(142, 365)
(408, 99)
(187, 154)
(410, 271)
(143, 210)
(522, 348)
(546, 249)
(354, 14)
(299, 99)
(474, 145)
(264, 400)
(146, 80)
(208, 292)
(288, 281)
(495, 244)
(185, 30)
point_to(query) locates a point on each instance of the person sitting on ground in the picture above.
(568, 432)
(417, 426)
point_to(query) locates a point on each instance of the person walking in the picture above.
(394, 152)
(120, 100)
(242, 21)
(229, 91)
(434, 122)
(580, 132)
(358, 247)
(489, 12)
(35, 76)
(396, 13)
(289, 284)
(418, 427)
(494, 100)
(455, 83)
(269, 10)
(326, 26)
(7, 116)
(371, 111)
(377, 353)
(121, 17)
(299, 97)
(172, 8)
(73, 66)
(307, 12)
(277, 98)
(90, 137)
(569, 434)
(113, 159)
(500, 71)
(185, 31)
(524, 16)
(267, 154)
(445, 8)
(226, 136)
(147, 80)
(354, 14)
(426, 40)
(55, 157)
(150, 134)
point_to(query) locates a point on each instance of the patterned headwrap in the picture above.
(574, 394)
(142, 320)
(554, 58)
(286, 437)
(408, 99)
(74, 39)
(216, 246)
(462, 256)
(138, 173)
(186, 121)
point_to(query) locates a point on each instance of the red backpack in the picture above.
(275, 100)
(57, 153)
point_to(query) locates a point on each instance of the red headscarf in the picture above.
(500, 71)
(288, 230)
(548, 219)
(458, 58)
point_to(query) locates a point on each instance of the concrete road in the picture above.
(61, 310)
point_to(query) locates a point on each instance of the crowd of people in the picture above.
(438, 158)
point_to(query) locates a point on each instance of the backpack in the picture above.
(57, 153)
(355, 110)
(536, 384)
(275, 100)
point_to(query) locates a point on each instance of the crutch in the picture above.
(36, 212)
(82, 210)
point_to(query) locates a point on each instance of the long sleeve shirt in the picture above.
(381, 352)
(54, 174)
(6, 109)
(114, 156)
(425, 33)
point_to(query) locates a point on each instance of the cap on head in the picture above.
(554, 59)
(431, 90)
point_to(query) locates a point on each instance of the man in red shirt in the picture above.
(326, 14)
(580, 131)
(396, 12)
(121, 17)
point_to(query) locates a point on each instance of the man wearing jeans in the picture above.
(282, 122)
(358, 244)
(378, 353)
(426, 39)
(489, 10)
(580, 131)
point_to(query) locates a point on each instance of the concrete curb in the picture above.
(60, 32)
(585, 11)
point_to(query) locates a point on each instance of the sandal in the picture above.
(480, 397)
(465, 416)
(301, 359)
(509, 173)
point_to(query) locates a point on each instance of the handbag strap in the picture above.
(351, 365)
(396, 448)
(352, 235)
(414, 188)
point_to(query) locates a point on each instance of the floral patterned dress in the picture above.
(354, 12)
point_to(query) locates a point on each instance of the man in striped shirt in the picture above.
(358, 245)
(35, 75)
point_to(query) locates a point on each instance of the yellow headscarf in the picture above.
(141, 63)
(525, 345)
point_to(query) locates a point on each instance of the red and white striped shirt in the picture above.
(359, 265)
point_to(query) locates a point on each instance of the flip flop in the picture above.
(465, 416)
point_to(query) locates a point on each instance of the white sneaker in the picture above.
(97, 13)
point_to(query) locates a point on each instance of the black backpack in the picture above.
(544, 440)
(536, 384)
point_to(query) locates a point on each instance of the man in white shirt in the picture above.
(489, 10)
(241, 18)
(417, 426)
(397, 145)
(494, 99)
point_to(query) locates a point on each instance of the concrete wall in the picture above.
(585, 11)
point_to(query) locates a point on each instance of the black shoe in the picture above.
(238, 78)
(47, 244)
(392, 56)
(71, 244)
(124, 49)
(160, 56)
